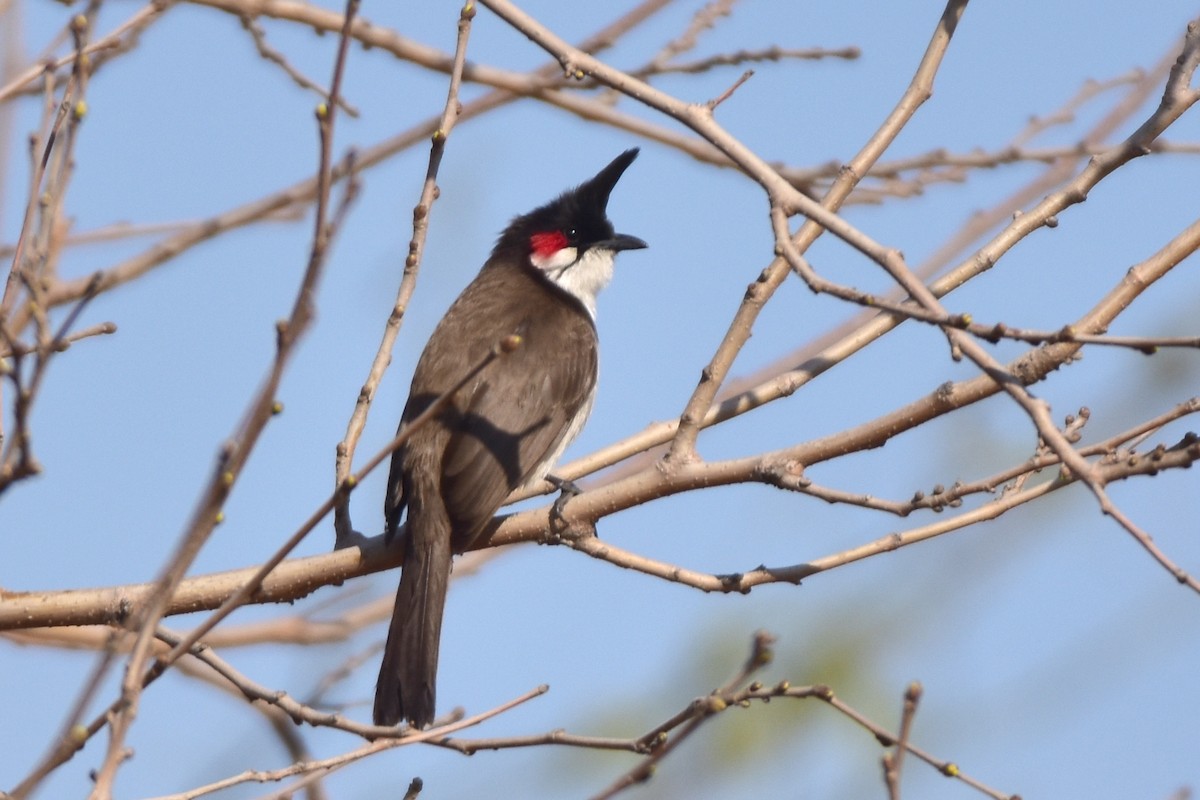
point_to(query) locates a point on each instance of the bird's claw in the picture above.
(567, 489)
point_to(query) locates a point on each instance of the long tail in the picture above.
(407, 677)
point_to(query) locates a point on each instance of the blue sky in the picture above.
(1058, 660)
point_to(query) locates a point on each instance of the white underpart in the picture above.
(543, 469)
(582, 276)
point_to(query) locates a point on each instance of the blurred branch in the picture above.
(658, 742)
(737, 693)
(384, 738)
(300, 630)
(304, 192)
(887, 178)
(740, 57)
(512, 86)
(118, 231)
(241, 592)
(280, 60)
(703, 19)
(893, 762)
(236, 452)
(947, 768)
(32, 271)
(121, 40)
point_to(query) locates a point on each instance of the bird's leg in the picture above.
(563, 530)
(349, 538)
(567, 489)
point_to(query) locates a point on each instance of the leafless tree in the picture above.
(50, 297)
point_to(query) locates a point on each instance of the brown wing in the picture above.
(513, 425)
(502, 426)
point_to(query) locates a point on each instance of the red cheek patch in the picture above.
(547, 244)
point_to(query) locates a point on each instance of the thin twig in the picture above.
(280, 60)
(790, 373)
(739, 57)
(343, 528)
(297, 578)
(237, 451)
(893, 762)
(725, 95)
(128, 30)
(251, 586)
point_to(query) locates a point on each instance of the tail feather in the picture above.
(407, 676)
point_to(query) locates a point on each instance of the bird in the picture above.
(506, 425)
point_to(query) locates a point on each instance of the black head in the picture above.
(572, 223)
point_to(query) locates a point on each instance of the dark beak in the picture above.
(621, 241)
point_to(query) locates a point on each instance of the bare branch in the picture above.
(280, 60)
(429, 193)
(893, 762)
(749, 57)
(237, 451)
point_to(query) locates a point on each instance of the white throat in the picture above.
(581, 277)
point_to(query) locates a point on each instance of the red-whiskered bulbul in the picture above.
(506, 426)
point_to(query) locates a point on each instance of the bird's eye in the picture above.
(572, 235)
